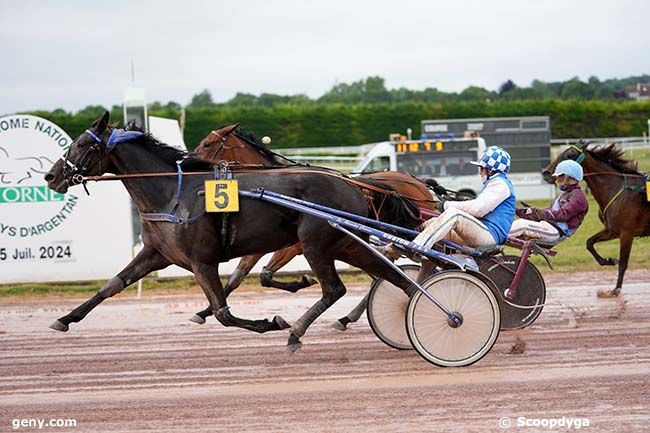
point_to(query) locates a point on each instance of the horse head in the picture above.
(575, 152)
(86, 155)
(218, 143)
(229, 143)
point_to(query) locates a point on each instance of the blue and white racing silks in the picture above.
(495, 206)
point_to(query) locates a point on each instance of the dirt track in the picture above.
(142, 365)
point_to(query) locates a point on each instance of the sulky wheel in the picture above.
(440, 341)
(387, 308)
(526, 306)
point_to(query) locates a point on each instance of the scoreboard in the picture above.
(527, 139)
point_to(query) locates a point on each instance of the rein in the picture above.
(255, 169)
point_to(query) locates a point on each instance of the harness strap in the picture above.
(612, 200)
(171, 216)
(633, 188)
(581, 156)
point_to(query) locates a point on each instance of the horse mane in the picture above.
(613, 155)
(249, 137)
(170, 154)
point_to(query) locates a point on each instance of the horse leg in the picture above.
(332, 290)
(603, 235)
(625, 247)
(352, 316)
(208, 277)
(279, 259)
(147, 260)
(426, 271)
(243, 268)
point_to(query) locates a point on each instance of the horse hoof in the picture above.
(293, 348)
(57, 325)
(339, 326)
(197, 319)
(606, 294)
(294, 344)
(281, 323)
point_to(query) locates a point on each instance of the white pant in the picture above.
(541, 230)
(457, 226)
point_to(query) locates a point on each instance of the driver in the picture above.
(563, 217)
(481, 222)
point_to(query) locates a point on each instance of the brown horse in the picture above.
(620, 192)
(230, 143)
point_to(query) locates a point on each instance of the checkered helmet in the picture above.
(495, 158)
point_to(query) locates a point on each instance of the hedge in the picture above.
(338, 124)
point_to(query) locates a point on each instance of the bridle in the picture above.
(222, 142)
(581, 154)
(73, 172)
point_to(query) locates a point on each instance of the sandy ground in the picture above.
(141, 365)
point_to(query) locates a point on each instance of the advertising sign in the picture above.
(46, 236)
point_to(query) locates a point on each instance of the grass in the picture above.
(150, 286)
(642, 157)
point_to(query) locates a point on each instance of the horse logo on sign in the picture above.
(17, 170)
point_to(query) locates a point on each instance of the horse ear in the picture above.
(583, 144)
(101, 124)
(230, 129)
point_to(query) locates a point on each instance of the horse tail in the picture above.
(392, 208)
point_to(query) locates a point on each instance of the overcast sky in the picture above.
(70, 54)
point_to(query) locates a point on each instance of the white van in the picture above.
(445, 160)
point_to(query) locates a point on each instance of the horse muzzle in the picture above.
(548, 177)
(58, 184)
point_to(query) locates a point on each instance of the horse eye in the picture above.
(207, 144)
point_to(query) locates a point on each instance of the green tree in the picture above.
(203, 99)
(375, 90)
(173, 105)
(92, 110)
(474, 93)
(576, 89)
(545, 90)
(506, 87)
(156, 105)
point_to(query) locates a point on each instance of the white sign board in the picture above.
(167, 131)
(46, 236)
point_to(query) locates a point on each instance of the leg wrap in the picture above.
(300, 326)
(113, 287)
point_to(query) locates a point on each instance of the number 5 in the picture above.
(221, 195)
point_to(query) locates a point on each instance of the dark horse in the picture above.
(194, 240)
(230, 143)
(620, 192)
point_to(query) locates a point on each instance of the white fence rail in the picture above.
(341, 163)
(330, 156)
(628, 143)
